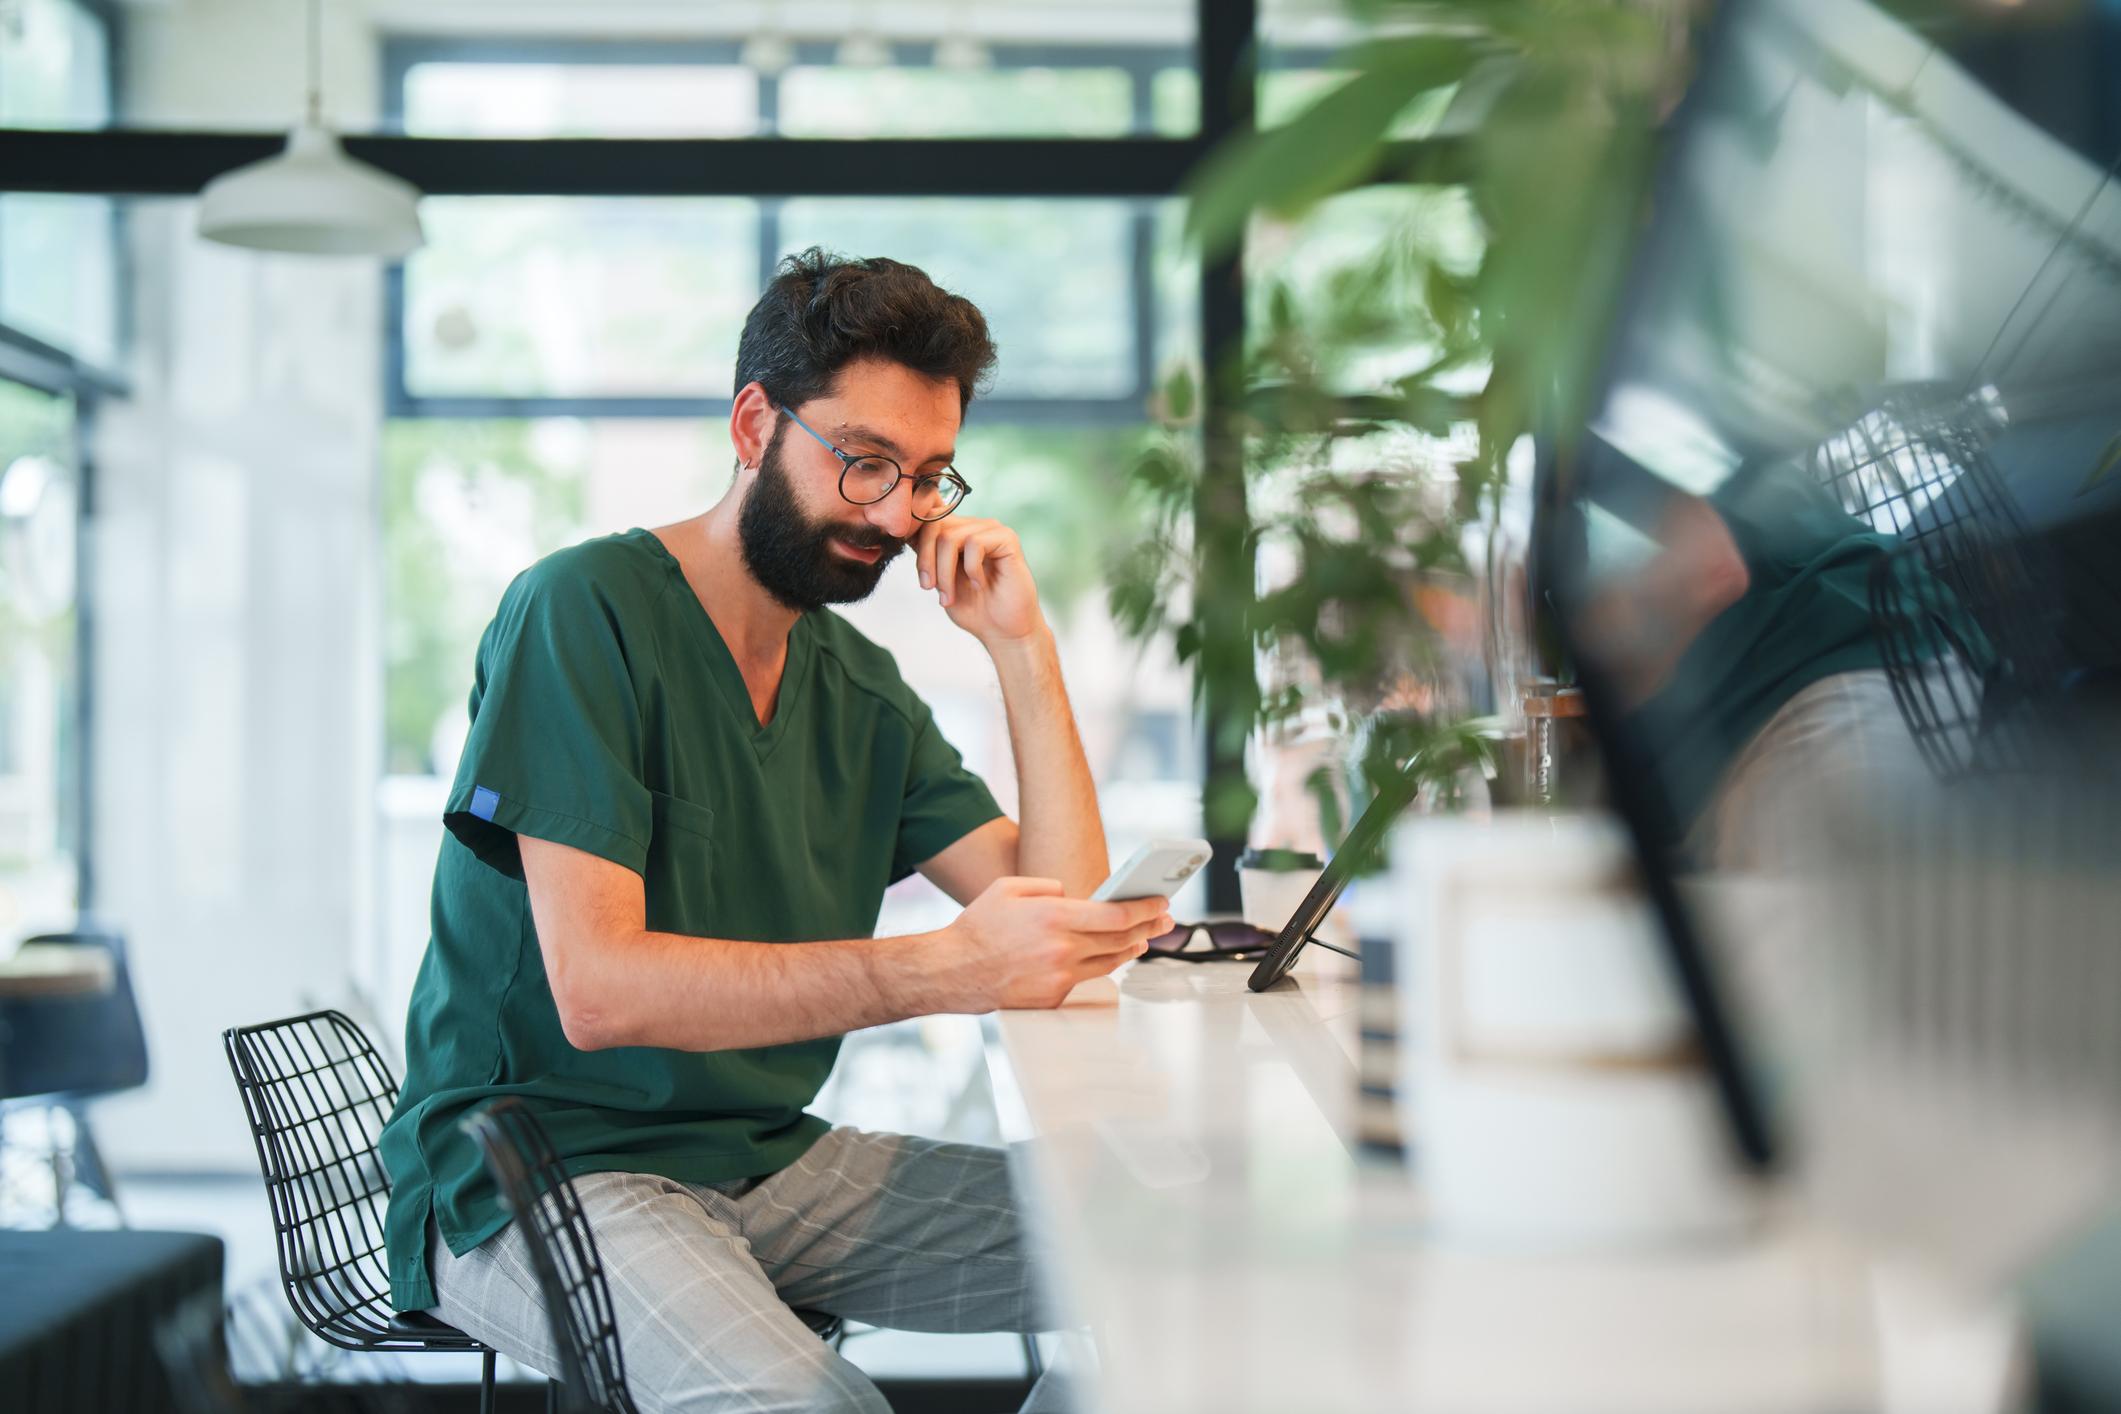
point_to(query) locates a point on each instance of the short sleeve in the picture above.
(555, 748)
(943, 803)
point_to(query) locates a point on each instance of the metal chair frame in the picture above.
(538, 1191)
(1917, 467)
(539, 1195)
(317, 1095)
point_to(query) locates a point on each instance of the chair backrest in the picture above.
(317, 1095)
(75, 1047)
(536, 1190)
(1917, 467)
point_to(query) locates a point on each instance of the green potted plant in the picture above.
(1377, 403)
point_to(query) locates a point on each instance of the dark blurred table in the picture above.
(78, 1312)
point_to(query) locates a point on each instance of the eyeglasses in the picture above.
(1226, 938)
(865, 480)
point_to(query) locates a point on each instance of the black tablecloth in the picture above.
(78, 1313)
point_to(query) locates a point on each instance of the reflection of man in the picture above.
(679, 766)
(1747, 647)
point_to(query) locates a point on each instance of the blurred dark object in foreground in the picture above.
(78, 1312)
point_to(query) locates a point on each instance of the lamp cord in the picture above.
(316, 65)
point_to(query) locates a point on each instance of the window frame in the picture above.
(402, 53)
(48, 368)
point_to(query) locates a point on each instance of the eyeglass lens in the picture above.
(870, 479)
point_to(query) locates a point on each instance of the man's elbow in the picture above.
(587, 1019)
(587, 1029)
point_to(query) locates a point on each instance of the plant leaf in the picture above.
(1333, 144)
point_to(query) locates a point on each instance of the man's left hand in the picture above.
(977, 569)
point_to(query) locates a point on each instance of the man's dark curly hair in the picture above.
(824, 311)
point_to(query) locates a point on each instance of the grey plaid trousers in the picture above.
(912, 1234)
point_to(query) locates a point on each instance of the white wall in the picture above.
(234, 578)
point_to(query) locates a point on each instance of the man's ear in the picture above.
(752, 418)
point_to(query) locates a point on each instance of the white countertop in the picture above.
(1202, 1215)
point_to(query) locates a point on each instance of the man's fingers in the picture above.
(974, 556)
(1098, 966)
(998, 542)
(924, 554)
(1120, 914)
(1113, 916)
(1126, 944)
(946, 541)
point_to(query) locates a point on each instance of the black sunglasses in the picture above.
(1223, 939)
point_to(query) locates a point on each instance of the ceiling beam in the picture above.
(126, 162)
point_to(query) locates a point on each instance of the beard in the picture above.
(791, 555)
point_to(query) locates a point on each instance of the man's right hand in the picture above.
(1024, 943)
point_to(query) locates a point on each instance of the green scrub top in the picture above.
(607, 714)
(1805, 616)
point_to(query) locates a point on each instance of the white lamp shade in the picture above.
(312, 199)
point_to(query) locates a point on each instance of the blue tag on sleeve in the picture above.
(483, 801)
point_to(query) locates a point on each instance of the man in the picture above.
(685, 788)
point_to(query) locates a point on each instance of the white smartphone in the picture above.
(1158, 868)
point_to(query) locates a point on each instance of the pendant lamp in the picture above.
(312, 199)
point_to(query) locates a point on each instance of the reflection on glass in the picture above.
(1880, 332)
(1842, 569)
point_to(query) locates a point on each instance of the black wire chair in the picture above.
(536, 1190)
(538, 1194)
(1916, 466)
(317, 1095)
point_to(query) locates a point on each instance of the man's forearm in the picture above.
(714, 994)
(1061, 835)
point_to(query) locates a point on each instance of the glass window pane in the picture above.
(1053, 277)
(580, 100)
(571, 297)
(54, 66)
(893, 102)
(1175, 269)
(468, 504)
(39, 676)
(1174, 102)
(59, 272)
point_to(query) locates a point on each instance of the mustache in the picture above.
(870, 538)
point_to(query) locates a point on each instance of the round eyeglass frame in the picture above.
(947, 477)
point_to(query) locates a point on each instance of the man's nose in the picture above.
(894, 514)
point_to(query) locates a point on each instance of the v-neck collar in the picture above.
(736, 694)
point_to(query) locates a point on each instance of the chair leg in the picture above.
(552, 1397)
(88, 1161)
(486, 1383)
